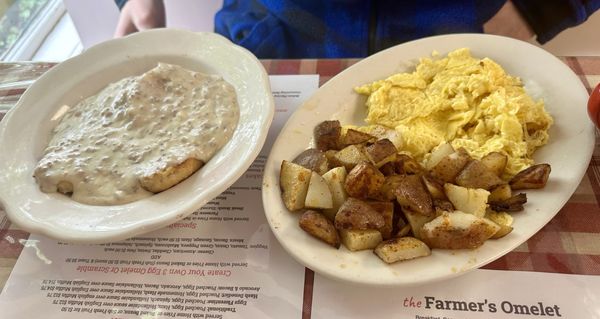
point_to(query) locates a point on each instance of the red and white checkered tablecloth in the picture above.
(569, 243)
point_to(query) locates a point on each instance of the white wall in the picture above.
(96, 20)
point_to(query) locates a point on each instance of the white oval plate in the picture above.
(569, 152)
(24, 133)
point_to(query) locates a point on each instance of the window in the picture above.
(24, 24)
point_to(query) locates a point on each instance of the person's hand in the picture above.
(509, 22)
(139, 15)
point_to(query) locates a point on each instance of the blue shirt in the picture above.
(357, 28)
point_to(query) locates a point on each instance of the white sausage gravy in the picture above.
(134, 128)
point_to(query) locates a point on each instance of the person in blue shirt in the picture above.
(358, 28)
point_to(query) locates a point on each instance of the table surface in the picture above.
(569, 243)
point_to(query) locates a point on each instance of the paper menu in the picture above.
(479, 294)
(220, 262)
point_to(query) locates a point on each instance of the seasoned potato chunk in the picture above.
(357, 214)
(318, 194)
(434, 187)
(468, 200)
(356, 240)
(398, 249)
(416, 221)
(386, 209)
(496, 162)
(294, 180)
(450, 166)
(458, 230)
(349, 157)
(353, 136)
(170, 176)
(327, 135)
(411, 193)
(320, 227)
(313, 159)
(535, 176)
(364, 181)
(438, 154)
(500, 192)
(477, 175)
(335, 178)
(381, 152)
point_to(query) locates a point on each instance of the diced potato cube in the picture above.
(364, 181)
(501, 192)
(404, 248)
(386, 209)
(320, 227)
(356, 240)
(416, 221)
(327, 135)
(335, 178)
(349, 157)
(381, 152)
(353, 136)
(294, 180)
(458, 230)
(468, 200)
(318, 195)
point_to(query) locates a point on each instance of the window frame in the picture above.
(32, 38)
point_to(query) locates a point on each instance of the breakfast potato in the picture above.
(388, 169)
(319, 227)
(468, 200)
(416, 221)
(500, 192)
(458, 230)
(407, 165)
(294, 180)
(387, 191)
(386, 209)
(438, 154)
(318, 194)
(364, 181)
(442, 205)
(496, 162)
(513, 204)
(381, 152)
(358, 215)
(503, 220)
(477, 175)
(403, 231)
(349, 157)
(434, 187)
(170, 176)
(313, 159)
(327, 135)
(353, 136)
(450, 166)
(335, 178)
(404, 248)
(412, 194)
(535, 176)
(356, 240)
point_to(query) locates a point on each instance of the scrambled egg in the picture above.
(468, 102)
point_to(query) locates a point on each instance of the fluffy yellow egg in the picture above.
(468, 102)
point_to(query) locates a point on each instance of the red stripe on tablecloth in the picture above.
(593, 174)
(579, 217)
(589, 65)
(284, 67)
(9, 243)
(546, 241)
(329, 67)
(309, 280)
(548, 262)
(512, 261)
(578, 69)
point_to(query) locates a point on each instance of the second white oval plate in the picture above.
(568, 152)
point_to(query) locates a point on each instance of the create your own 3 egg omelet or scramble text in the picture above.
(437, 164)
